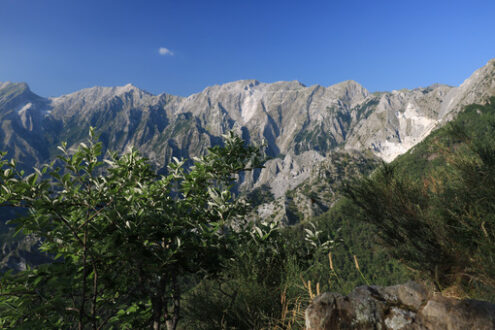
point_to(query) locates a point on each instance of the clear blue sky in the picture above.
(59, 46)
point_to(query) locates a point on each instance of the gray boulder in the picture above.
(406, 306)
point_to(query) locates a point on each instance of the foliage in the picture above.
(248, 293)
(260, 195)
(272, 280)
(123, 238)
(441, 222)
(356, 240)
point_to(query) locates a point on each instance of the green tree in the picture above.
(124, 239)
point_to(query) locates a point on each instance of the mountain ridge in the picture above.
(299, 124)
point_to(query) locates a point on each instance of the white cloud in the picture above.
(165, 51)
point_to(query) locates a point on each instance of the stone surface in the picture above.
(406, 306)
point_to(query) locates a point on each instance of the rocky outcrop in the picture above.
(478, 88)
(406, 306)
(321, 187)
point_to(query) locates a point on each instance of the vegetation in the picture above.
(272, 280)
(434, 208)
(124, 240)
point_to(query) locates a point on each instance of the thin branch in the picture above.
(95, 294)
(68, 225)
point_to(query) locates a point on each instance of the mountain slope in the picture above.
(22, 117)
(433, 207)
(299, 124)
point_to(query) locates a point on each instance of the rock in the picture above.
(449, 313)
(406, 306)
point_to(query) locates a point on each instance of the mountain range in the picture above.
(301, 126)
(316, 137)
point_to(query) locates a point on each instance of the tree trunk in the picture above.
(95, 297)
(84, 275)
(174, 320)
(157, 307)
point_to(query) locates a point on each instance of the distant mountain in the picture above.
(301, 125)
(316, 136)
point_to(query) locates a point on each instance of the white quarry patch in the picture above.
(413, 128)
(27, 121)
(26, 107)
(389, 150)
(419, 123)
(250, 104)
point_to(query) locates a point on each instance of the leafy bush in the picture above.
(124, 239)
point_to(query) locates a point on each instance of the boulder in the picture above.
(405, 306)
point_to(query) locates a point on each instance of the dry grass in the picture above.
(292, 312)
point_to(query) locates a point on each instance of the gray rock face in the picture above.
(401, 119)
(407, 306)
(320, 188)
(300, 125)
(22, 123)
(398, 120)
(476, 89)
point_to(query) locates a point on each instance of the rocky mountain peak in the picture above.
(130, 88)
(349, 85)
(100, 92)
(92, 100)
(231, 87)
(10, 90)
(475, 89)
(10, 84)
(293, 84)
(18, 98)
(349, 92)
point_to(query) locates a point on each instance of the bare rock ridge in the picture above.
(400, 307)
(300, 125)
(475, 89)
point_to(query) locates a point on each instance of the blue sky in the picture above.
(59, 46)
